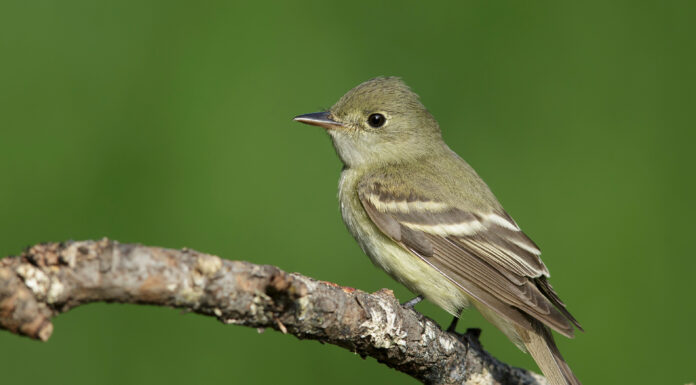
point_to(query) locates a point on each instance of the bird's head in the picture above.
(379, 121)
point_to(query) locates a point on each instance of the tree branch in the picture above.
(52, 278)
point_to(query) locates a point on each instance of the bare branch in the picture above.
(52, 278)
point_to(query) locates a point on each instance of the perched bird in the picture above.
(422, 214)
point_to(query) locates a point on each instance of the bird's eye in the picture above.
(376, 120)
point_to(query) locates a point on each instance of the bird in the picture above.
(424, 216)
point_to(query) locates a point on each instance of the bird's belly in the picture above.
(418, 276)
(400, 264)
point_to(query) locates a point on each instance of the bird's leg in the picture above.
(453, 325)
(411, 303)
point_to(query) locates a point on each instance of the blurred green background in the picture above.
(169, 123)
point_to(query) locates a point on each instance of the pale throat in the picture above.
(358, 150)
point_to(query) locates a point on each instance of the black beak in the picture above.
(320, 119)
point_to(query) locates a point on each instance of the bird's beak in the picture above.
(320, 119)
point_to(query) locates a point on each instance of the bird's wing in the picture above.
(484, 253)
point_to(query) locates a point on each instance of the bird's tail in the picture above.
(539, 343)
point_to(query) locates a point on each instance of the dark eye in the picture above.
(376, 120)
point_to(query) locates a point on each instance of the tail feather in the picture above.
(539, 343)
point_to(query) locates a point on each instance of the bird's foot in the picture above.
(413, 302)
(472, 336)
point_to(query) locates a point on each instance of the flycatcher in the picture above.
(422, 214)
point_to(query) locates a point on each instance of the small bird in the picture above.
(422, 214)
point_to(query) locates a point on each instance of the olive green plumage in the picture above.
(423, 215)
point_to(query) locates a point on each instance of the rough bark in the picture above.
(52, 278)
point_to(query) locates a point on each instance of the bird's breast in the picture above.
(400, 264)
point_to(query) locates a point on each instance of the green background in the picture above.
(169, 123)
